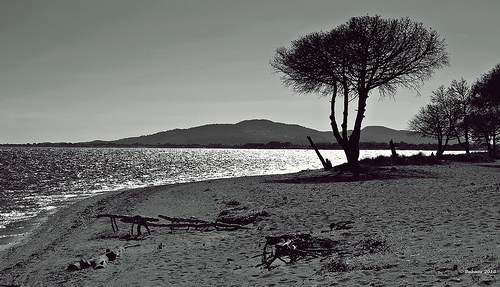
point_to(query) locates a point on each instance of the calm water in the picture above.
(35, 181)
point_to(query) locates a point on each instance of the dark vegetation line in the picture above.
(421, 159)
(269, 145)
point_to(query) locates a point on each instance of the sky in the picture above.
(74, 71)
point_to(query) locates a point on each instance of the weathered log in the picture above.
(200, 225)
(177, 219)
(393, 149)
(176, 223)
(139, 220)
(341, 225)
(290, 248)
(327, 165)
(196, 223)
(112, 218)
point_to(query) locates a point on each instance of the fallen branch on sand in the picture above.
(175, 223)
(197, 223)
(139, 220)
(294, 247)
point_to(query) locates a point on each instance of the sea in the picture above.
(35, 182)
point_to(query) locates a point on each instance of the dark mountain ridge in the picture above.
(263, 131)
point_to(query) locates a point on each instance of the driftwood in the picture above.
(290, 248)
(394, 154)
(185, 220)
(197, 223)
(175, 223)
(327, 165)
(341, 225)
(139, 220)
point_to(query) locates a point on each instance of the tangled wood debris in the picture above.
(341, 225)
(197, 224)
(290, 248)
(139, 220)
(174, 223)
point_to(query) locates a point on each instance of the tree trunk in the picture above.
(350, 144)
(352, 154)
(490, 150)
(466, 134)
(488, 144)
(352, 150)
(494, 146)
(393, 149)
(440, 148)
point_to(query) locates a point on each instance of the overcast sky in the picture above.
(74, 70)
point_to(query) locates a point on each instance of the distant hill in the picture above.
(251, 131)
(382, 134)
(263, 131)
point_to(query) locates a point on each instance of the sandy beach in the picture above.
(434, 225)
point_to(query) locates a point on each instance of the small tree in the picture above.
(485, 127)
(437, 120)
(351, 60)
(462, 93)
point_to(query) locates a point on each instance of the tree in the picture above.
(429, 122)
(485, 118)
(462, 93)
(437, 120)
(351, 60)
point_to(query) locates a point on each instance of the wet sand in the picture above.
(415, 226)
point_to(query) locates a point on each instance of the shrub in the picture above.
(233, 203)
(373, 244)
(336, 264)
(239, 217)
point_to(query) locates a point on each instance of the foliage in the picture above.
(373, 244)
(464, 112)
(336, 264)
(351, 60)
(438, 120)
(421, 159)
(485, 118)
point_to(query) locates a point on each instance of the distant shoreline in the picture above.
(270, 145)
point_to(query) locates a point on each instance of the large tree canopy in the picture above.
(486, 109)
(349, 61)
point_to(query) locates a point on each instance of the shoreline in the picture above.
(12, 236)
(19, 231)
(431, 218)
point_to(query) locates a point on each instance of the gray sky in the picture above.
(75, 70)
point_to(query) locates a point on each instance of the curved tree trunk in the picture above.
(352, 154)
(350, 144)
